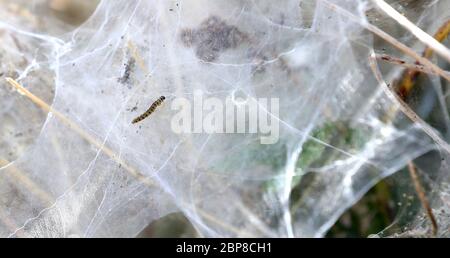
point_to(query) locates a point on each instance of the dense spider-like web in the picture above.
(87, 171)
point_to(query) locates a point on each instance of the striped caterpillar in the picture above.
(150, 110)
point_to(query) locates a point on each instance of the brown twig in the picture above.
(427, 129)
(422, 197)
(410, 66)
(21, 177)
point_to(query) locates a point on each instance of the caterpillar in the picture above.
(150, 110)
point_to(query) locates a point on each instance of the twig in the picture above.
(425, 127)
(140, 177)
(410, 66)
(419, 33)
(422, 197)
(405, 108)
(409, 76)
(388, 38)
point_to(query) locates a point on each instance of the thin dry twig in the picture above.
(137, 57)
(388, 38)
(409, 66)
(422, 197)
(421, 35)
(405, 108)
(21, 177)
